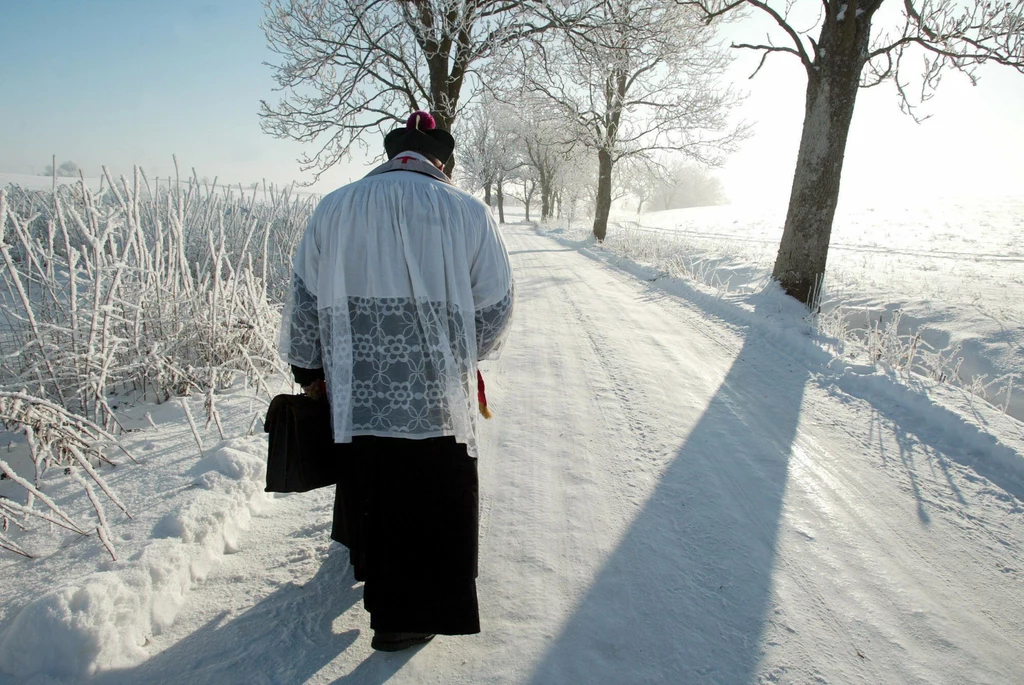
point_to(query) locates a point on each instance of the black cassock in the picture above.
(408, 510)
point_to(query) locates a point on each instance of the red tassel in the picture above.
(481, 396)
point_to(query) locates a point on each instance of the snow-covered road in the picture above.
(667, 497)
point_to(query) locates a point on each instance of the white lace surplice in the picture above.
(401, 284)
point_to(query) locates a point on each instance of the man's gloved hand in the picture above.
(317, 390)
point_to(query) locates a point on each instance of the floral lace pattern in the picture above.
(397, 366)
(491, 327)
(300, 330)
(404, 378)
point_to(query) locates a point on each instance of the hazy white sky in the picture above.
(972, 145)
(123, 82)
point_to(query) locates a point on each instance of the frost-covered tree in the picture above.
(677, 185)
(643, 180)
(575, 184)
(852, 51)
(526, 190)
(347, 67)
(490, 150)
(477, 146)
(546, 142)
(507, 166)
(67, 169)
(644, 80)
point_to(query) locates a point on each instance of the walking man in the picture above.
(401, 285)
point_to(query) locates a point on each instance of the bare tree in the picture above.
(848, 54)
(528, 180)
(574, 184)
(477, 145)
(680, 184)
(645, 79)
(66, 169)
(545, 147)
(491, 150)
(348, 67)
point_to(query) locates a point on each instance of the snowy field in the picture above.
(953, 269)
(679, 486)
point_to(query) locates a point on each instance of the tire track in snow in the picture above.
(621, 380)
(934, 571)
(586, 401)
(855, 593)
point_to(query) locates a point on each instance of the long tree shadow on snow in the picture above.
(685, 597)
(286, 638)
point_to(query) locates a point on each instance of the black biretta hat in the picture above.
(420, 134)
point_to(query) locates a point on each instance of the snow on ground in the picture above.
(953, 267)
(676, 488)
(71, 610)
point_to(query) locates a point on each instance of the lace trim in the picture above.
(300, 329)
(492, 326)
(395, 366)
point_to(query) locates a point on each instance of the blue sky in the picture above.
(123, 82)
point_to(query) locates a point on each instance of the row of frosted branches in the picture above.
(159, 288)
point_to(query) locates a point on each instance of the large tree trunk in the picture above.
(444, 91)
(500, 194)
(604, 194)
(444, 121)
(546, 191)
(487, 194)
(545, 201)
(527, 203)
(831, 93)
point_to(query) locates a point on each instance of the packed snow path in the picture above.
(664, 500)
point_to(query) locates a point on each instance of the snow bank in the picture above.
(771, 315)
(948, 270)
(104, 620)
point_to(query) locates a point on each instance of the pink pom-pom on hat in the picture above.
(421, 121)
(420, 134)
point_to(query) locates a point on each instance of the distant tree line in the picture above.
(66, 169)
(596, 89)
(681, 186)
(551, 100)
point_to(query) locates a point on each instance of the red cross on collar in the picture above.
(405, 160)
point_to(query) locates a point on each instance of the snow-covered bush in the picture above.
(161, 289)
(55, 438)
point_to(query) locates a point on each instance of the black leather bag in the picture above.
(301, 455)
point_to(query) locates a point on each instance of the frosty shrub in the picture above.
(162, 289)
(55, 437)
(904, 355)
(688, 256)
